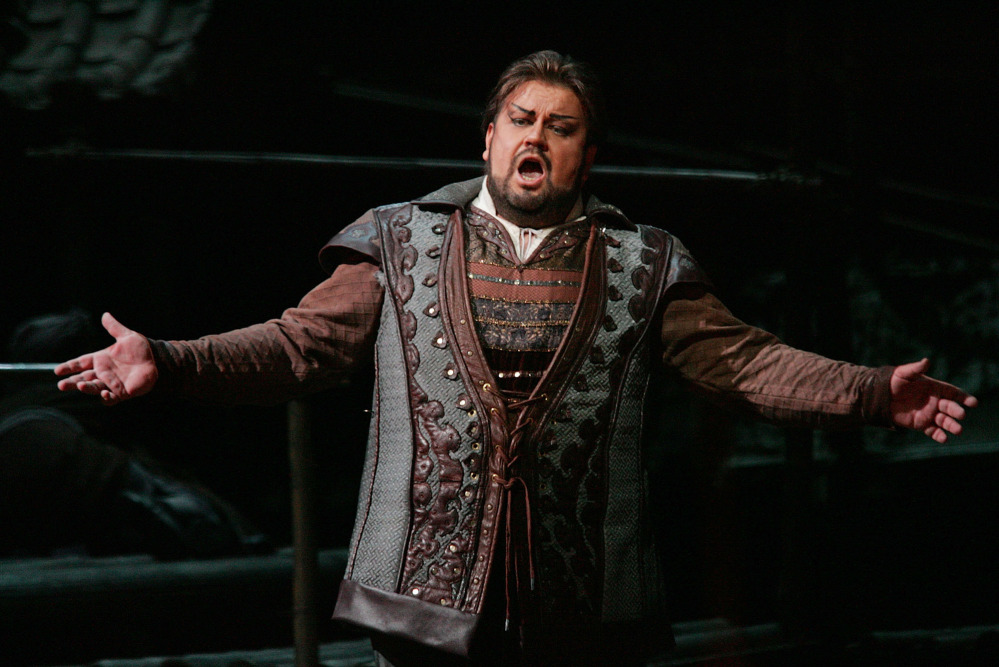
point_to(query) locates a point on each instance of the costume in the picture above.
(456, 466)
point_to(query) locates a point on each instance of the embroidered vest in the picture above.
(431, 492)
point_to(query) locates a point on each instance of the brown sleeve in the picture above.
(309, 348)
(749, 369)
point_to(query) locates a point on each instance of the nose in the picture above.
(536, 137)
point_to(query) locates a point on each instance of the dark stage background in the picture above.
(875, 240)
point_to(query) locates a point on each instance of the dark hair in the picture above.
(559, 70)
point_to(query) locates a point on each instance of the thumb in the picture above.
(915, 369)
(114, 327)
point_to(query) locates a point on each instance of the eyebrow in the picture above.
(532, 113)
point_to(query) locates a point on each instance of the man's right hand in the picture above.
(124, 370)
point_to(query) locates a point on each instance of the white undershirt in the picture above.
(525, 239)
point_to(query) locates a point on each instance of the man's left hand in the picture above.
(924, 404)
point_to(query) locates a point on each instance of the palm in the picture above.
(128, 360)
(124, 370)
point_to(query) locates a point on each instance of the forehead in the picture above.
(545, 98)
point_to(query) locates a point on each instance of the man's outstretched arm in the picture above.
(126, 369)
(750, 370)
(308, 348)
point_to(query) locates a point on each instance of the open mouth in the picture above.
(531, 169)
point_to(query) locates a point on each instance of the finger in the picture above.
(914, 369)
(948, 424)
(71, 382)
(92, 387)
(936, 433)
(112, 383)
(952, 409)
(82, 362)
(113, 326)
(68, 383)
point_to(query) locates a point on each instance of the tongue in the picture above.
(531, 170)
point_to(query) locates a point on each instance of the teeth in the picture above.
(531, 170)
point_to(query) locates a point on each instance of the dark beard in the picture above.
(537, 210)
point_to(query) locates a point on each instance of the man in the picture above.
(501, 513)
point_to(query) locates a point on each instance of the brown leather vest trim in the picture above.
(459, 327)
(396, 615)
(579, 334)
(454, 499)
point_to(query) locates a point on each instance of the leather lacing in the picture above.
(508, 482)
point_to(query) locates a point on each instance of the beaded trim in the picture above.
(508, 323)
(518, 374)
(529, 283)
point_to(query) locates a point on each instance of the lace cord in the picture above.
(511, 455)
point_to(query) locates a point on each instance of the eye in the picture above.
(519, 122)
(561, 131)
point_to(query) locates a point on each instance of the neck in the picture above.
(552, 214)
(550, 217)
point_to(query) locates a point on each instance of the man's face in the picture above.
(536, 155)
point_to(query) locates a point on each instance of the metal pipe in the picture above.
(306, 570)
(27, 368)
(399, 163)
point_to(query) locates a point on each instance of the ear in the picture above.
(589, 156)
(489, 140)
